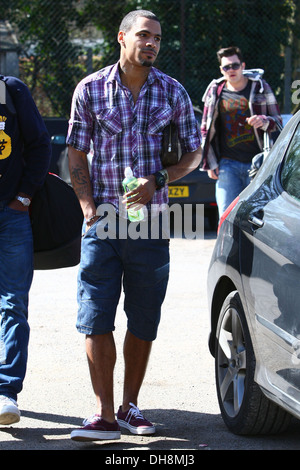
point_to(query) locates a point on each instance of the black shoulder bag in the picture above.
(171, 150)
(56, 221)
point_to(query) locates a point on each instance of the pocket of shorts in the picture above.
(15, 211)
(91, 228)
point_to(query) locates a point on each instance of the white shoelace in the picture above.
(134, 412)
(92, 419)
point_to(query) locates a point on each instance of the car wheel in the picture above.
(244, 408)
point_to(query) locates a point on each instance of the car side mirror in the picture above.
(257, 162)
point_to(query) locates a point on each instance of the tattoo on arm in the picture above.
(80, 181)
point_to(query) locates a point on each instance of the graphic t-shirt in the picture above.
(237, 139)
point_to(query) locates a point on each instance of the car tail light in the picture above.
(228, 210)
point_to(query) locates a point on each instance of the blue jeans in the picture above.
(16, 272)
(233, 178)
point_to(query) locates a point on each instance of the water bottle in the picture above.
(130, 183)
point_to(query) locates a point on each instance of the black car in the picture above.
(196, 188)
(57, 129)
(254, 296)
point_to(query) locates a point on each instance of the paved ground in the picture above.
(178, 394)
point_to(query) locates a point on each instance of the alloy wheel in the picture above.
(231, 362)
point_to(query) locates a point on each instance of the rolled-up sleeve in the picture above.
(188, 129)
(81, 121)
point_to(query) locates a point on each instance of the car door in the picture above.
(270, 264)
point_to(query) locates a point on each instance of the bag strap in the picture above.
(169, 133)
(2, 92)
(5, 98)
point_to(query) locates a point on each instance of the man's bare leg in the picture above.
(101, 354)
(136, 356)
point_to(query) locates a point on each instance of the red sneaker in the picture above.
(134, 421)
(96, 429)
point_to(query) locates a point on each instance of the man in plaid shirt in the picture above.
(238, 108)
(123, 110)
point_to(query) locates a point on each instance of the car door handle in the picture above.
(259, 223)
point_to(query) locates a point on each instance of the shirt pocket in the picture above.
(109, 121)
(157, 119)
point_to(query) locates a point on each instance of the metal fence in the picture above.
(59, 42)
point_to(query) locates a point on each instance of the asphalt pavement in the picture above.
(178, 394)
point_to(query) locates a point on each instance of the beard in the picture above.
(146, 63)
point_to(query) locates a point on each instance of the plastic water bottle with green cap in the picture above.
(129, 184)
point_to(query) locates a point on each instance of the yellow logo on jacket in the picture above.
(5, 140)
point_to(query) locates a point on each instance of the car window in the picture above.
(290, 175)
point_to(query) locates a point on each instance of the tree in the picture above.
(51, 59)
(193, 31)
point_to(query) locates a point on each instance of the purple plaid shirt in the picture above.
(127, 134)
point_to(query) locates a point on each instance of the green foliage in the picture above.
(193, 31)
(44, 32)
(260, 29)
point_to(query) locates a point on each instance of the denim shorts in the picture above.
(141, 265)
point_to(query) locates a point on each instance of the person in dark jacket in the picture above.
(25, 153)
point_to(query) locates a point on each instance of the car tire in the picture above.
(244, 408)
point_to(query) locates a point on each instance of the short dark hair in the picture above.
(131, 17)
(228, 52)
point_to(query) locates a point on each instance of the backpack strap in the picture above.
(2, 92)
(5, 97)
